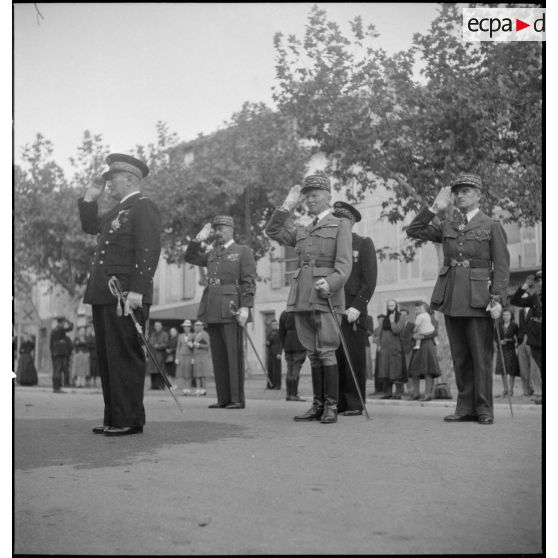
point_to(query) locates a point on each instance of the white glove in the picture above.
(133, 301)
(352, 315)
(442, 200)
(242, 315)
(292, 198)
(95, 190)
(204, 233)
(495, 309)
(322, 286)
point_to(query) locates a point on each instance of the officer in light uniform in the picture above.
(231, 277)
(128, 247)
(470, 289)
(324, 250)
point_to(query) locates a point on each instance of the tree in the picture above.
(477, 109)
(48, 243)
(243, 170)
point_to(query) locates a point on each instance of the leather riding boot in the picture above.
(331, 394)
(315, 412)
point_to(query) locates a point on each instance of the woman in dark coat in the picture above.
(26, 372)
(509, 335)
(392, 369)
(424, 361)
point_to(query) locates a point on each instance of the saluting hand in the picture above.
(442, 200)
(204, 233)
(293, 197)
(95, 190)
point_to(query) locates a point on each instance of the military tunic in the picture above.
(128, 247)
(476, 266)
(324, 251)
(231, 274)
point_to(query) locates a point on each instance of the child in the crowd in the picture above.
(423, 323)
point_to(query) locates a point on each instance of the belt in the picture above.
(316, 263)
(452, 262)
(217, 281)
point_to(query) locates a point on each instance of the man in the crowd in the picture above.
(534, 302)
(61, 347)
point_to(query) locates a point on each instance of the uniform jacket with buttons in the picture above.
(128, 247)
(360, 286)
(324, 251)
(231, 276)
(465, 290)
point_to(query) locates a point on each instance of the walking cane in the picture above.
(347, 356)
(234, 310)
(504, 371)
(116, 290)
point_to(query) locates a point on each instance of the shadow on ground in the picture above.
(55, 442)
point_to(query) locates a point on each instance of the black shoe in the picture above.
(122, 430)
(314, 413)
(235, 406)
(352, 413)
(217, 406)
(485, 419)
(460, 418)
(59, 390)
(99, 429)
(386, 397)
(330, 415)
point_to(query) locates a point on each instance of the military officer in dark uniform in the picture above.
(324, 252)
(533, 326)
(358, 291)
(128, 247)
(231, 277)
(470, 289)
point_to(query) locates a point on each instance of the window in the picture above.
(291, 264)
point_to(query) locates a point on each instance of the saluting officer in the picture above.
(359, 289)
(128, 247)
(471, 283)
(231, 277)
(324, 257)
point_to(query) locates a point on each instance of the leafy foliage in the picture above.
(243, 170)
(478, 109)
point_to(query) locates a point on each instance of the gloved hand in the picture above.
(204, 233)
(442, 200)
(95, 190)
(133, 301)
(352, 315)
(495, 309)
(323, 288)
(292, 198)
(242, 315)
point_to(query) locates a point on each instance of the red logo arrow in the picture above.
(519, 25)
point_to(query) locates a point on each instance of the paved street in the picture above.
(214, 481)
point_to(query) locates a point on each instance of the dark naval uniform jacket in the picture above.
(360, 286)
(476, 262)
(128, 246)
(324, 251)
(231, 277)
